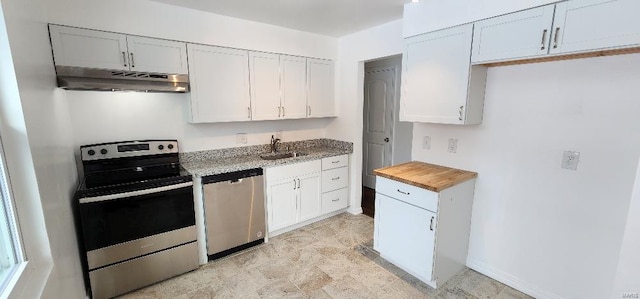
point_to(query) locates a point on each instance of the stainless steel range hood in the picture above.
(78, 78)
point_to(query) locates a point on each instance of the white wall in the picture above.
(38, 147)
(627, 276)
(148, 18)
(430, 15)
(377, 42)
(58, 121)
(102, 117)
(552, 231)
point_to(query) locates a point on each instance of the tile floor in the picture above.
(332, 258)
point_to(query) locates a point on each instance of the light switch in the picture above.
(426, 142)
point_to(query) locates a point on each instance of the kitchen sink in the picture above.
(278, 156)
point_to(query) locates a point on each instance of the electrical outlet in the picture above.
(453, 145)
(279, 135)
(241, 138)
(426, 142)
(570, 160)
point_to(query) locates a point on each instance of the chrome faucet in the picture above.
(274, 144)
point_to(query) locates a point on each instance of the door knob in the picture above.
(386, 139)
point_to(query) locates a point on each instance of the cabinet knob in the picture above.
(386, 139)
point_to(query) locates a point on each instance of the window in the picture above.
(10, 253)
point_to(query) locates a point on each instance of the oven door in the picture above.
(111, 220)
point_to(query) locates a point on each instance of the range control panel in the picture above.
(127, 149)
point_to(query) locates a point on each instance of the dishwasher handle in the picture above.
(232, 176)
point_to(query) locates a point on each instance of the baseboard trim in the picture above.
(510, 280)
(355, 210)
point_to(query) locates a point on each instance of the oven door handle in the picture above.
(135, 193)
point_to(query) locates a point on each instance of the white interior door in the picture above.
(379, 92)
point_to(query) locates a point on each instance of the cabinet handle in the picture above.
(335, 179)
(460, 112)
(279, 111)
(309, 110)
(555, 38)
(294, 184)
(124, 59)
(431, 225)
(405, 193)
(544, 39)
(133, 64)
(336, 161)
(337, 199)
(282, 111)
(298, 183)
(249, 112)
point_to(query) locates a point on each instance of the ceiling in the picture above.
(326, 17)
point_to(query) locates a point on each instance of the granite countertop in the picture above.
(424, 175)
(204, 163)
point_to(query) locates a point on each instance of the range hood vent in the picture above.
(78, 78)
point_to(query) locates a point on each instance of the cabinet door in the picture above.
(517, 35)
(595, 24)
(282, 204)
(405, 236)
(265, 85)
(435, 77)
(219, 79)
(309, 196)
(88, 48)
(320, 88)
(293, 86)
(157, 55)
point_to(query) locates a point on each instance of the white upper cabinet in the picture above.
(76, 47)
(265, 85)
(517, 35)
(438, 83)
(320, 88)
(278, 86)
(156, 55)
(583, 25)
(219, 79)
(293, 86)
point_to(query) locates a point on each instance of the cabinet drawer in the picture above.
(335, 162)
(335, 179)
(410, 194)
(335, 200)
(293, 170)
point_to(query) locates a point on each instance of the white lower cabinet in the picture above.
(424, 233)
(407, 237)
(309, 196)
(296, 193)
(282, 200)
(293, 194)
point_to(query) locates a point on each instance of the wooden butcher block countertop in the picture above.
(424, 175)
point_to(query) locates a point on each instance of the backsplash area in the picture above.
(263, 148)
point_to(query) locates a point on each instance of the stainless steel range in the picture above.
(135, 212)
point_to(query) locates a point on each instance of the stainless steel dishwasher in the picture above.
(234, 211)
